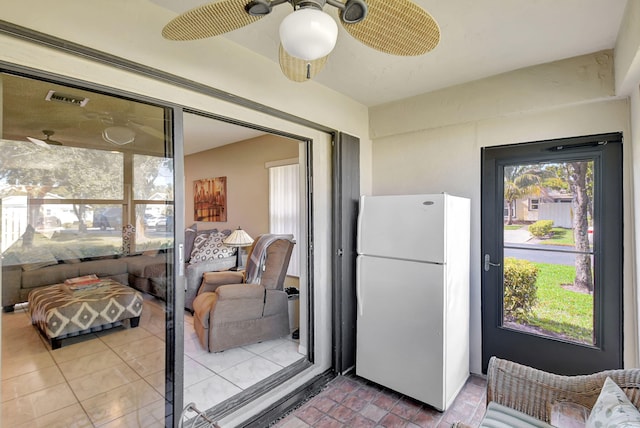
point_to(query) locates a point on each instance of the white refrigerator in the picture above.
(412, 289)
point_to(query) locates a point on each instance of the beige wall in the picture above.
(432, 143)
(627, 50)
(627, 68)
(243, 164)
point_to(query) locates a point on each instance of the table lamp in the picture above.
(238, 238)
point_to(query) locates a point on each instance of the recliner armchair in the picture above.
(240, 308)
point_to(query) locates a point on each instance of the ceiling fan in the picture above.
(47, 141)
(308, 35)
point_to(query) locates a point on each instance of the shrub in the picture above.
(541, 228)
(520, 289)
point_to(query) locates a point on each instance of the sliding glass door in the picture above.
(90, 187)
(86, 191)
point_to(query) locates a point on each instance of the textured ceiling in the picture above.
(479, 39)
(26, 113)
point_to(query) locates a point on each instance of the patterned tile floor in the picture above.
(115, 378)
(353, 402)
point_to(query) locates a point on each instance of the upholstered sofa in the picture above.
(524, 397)
(131, 270)
(145, 272)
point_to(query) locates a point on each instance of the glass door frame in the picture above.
(552, 354)
(174, 325)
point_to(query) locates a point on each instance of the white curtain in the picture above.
(284, 207)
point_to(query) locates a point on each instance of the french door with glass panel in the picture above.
(552, 254)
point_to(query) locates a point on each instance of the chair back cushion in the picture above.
(268, 260)
(498, 415)
(276, 264)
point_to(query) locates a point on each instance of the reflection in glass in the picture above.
(548, 250)
(67, 209)
(153, 194)
(152, 178)
(48, 193)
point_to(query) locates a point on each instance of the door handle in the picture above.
(181, 260)
(488, 263)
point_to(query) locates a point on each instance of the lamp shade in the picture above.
(308, 34)
(238, 238)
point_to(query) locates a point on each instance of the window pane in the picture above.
(57, 172)
(548, 255)
(152, 178)
(284, 207)
(57, 235)
(154, 227)
(67, 209)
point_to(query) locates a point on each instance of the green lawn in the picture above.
(559, 236)
(561, 311)
(512, 227)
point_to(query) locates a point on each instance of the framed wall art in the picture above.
(210, 199)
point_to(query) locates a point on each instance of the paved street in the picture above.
(541, 254)
(520, 244)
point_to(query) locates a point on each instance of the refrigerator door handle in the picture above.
(358, 294)
(359, 298)
(488, 264)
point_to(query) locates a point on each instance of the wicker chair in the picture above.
(535, 392)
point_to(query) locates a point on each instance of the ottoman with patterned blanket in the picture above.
(59, 312)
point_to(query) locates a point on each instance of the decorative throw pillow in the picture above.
(199, 238)
(212, 248)
(613, 409)
(128, 239)
(189, 236)
(35, 258)
(199, 241)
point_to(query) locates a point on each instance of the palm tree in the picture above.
(520, 181)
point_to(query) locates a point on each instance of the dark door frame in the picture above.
(346, 196)
(541, 352)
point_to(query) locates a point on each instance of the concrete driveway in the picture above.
(518, 236)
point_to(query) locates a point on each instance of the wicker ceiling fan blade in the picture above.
(397, 27)
(208, 20)
(47, 142)
(299, 70)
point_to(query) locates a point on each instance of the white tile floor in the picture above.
(115, 378)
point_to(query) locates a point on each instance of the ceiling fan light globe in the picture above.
(308, 34)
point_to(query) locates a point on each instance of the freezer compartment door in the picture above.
(402, 226)
(400, 327)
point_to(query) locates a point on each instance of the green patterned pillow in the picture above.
(613, 409)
